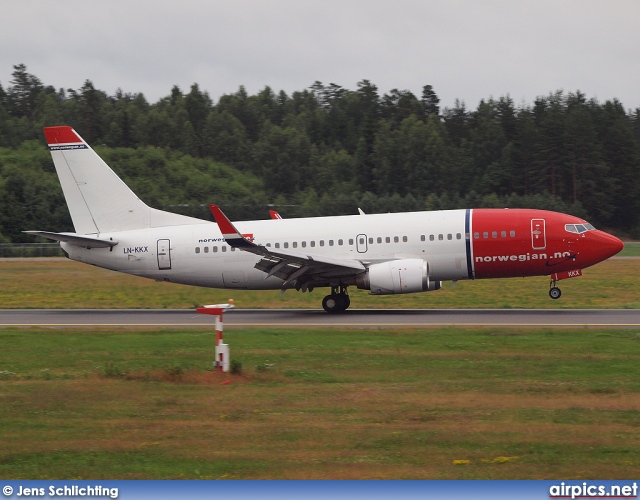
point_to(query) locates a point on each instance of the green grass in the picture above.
(320, 404)
(42, 283)
(631, 249)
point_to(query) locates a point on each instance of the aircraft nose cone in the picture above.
(608, 245)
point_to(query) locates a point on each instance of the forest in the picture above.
(324, 150)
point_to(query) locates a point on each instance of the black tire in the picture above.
(347, 302)
(336, 303)
(555, 293)
(331, 303)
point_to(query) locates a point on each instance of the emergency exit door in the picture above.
(538, 234)
(361, 243)
(164, 254)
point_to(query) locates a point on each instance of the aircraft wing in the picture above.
(76, 239)
(288, 266)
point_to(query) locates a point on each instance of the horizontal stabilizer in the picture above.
(75, 239)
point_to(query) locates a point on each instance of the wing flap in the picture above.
(288, 266)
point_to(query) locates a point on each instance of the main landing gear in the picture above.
(554, 291)
(338, 301)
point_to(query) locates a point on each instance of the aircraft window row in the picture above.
(322, 243)
(340, 242)
(441, 237)
(578, 228)
(311, 244)
(214, 249)
(494, 234)
(387, 239)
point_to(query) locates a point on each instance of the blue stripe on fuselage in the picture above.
(467, 237)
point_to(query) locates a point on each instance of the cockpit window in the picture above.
(578, 228)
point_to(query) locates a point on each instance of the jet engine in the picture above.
(398, 276)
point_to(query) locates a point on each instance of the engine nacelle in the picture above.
(398, 276)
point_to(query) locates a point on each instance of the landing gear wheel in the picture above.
(338, 301)
(346, 301)
(332, 303)
(555, 292)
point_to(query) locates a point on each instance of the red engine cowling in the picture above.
(398, 276)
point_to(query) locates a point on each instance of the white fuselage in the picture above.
(198, 255)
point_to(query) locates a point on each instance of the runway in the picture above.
(309, 318)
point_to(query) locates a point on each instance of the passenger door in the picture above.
(164, 254)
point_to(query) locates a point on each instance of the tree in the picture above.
(225, 139)
(623, 157)
(281, 159)
(198, 106)
(398, 105)
(430, 102)
(550, 161)
(23, 92)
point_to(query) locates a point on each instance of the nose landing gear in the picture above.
(554, 291)
(338, 301)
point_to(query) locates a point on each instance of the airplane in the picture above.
(389, 253)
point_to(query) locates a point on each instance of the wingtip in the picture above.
(227, 228)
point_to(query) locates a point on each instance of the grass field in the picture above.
(631, 249)
(330, 404)
(439, 404)
(46, 283)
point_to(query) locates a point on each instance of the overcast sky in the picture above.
(467, 50)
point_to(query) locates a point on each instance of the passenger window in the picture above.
(321, 243)
(340, 242)
(485, 234)
(476, 236)
(294, 244)
(286, 244)
(494, 234)
(197, 249)
(370, 241)
(233, 249)
(277, 245)
(440, 237)
(458, 236)
(396, 239)
(512, 233)
(387, 239)
(449, 236)
(224, 249)
(313, 243)
(268, 244)
(330, 243)
(215, 249)
(379, 240)
(304, 244)
(431, 237)
(422, 237)
(503, 234)
(206, 249)
(350, 241)
(404, 239)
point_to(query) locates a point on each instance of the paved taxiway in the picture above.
(307, 318)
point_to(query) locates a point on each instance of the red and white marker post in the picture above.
(222, 361)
